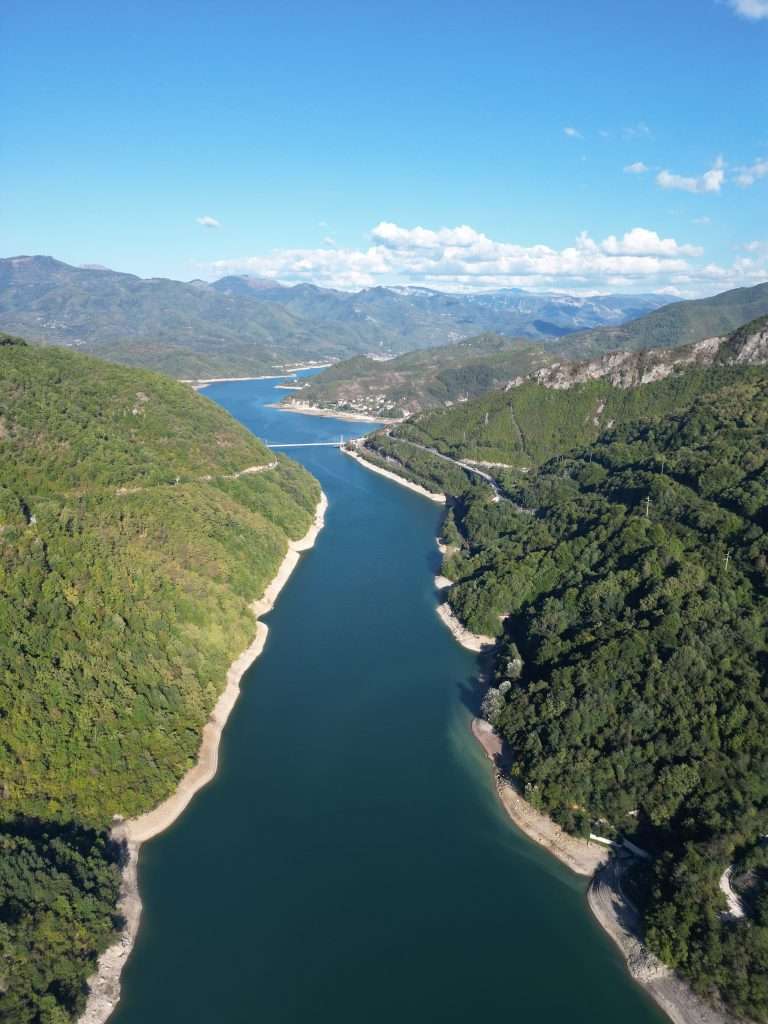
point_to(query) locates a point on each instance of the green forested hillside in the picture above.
(527, 424)
(679, 323)
(421, 380)
(130, 552)
(183, 328)
(631, 600)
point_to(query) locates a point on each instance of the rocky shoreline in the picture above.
(611, 908)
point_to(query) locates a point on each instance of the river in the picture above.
(350, 863)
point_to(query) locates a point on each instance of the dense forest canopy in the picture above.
(573, 403)
(130, 552)
(528, 424)
(627, 581)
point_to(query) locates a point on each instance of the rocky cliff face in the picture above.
(747, 346)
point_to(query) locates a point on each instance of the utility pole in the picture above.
(647, 506)
(727, 558)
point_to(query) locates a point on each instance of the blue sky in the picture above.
(453, 145)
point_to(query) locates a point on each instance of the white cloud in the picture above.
(752, 9)
(208, 222)
(328, 240)
(702, 220)
(636, 168)
(463, 259)
(710, 181)
(572, 133)
(637, 131)
(642, 242)
(747, 176)
(755, 246)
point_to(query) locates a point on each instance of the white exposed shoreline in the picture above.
(471, 641)
(104, 985)
(203, 382)
(618, 917)
(605, 897)
(317, 410)
(582, 857)
(310, 366)
(439, 498)
(613, 912)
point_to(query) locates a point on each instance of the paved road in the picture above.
(490, 480)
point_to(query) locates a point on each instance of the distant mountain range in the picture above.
(400, 319)
(243, 325)
(678, 323)
(443, 376)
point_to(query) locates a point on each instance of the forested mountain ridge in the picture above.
(420, 380)
(183, 329)
(747, 345)
(242, 326)
(627, 581)
(572, 403)
(692, 333)
(404, 318)
(678, 323)
(132, 545)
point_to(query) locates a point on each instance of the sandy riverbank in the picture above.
(440, 498)
(104, 985)
(579, 855)
(620, 919)
(471, 641)
(203, 382)
(310, 366)
(316, 410)
(612, 910)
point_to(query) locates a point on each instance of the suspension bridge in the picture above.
(312, 444)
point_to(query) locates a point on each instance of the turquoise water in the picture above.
(350, 863)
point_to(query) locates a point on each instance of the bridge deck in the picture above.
(306, 444)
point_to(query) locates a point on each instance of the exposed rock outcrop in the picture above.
(747, 346)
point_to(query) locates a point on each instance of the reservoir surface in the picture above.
(350, 863)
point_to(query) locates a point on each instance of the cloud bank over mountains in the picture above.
(463, 259)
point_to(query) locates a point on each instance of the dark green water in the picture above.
(350, 863)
